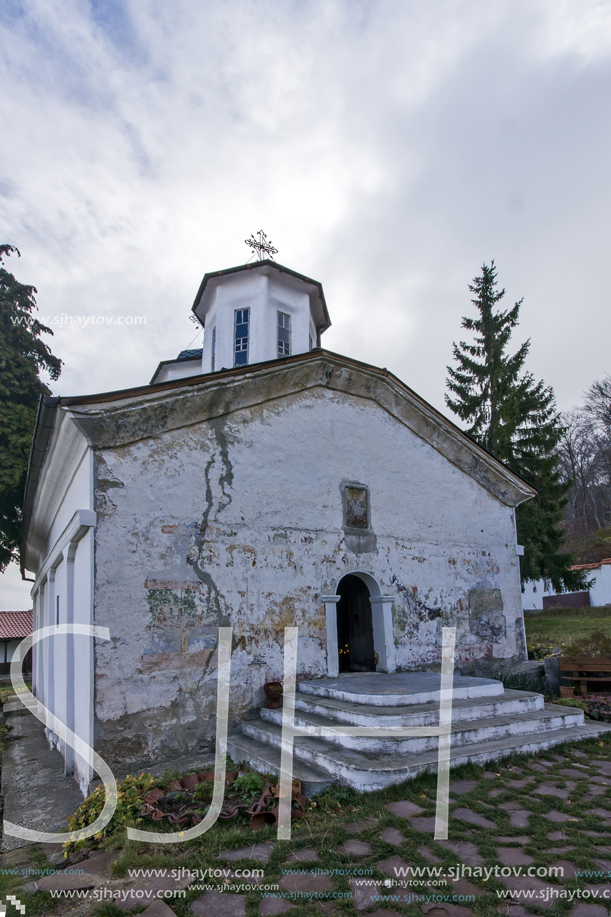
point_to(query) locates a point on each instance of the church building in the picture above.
(261, 482)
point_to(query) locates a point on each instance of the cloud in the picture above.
(387, 148)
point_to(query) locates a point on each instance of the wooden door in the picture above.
(354, 626)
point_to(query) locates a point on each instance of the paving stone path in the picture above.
(393, 836)
(544, 813)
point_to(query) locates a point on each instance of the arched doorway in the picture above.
(354, 626)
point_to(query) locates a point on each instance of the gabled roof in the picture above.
(118, 418)
(111, 419)
(15, 625)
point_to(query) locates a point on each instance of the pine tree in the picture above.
(22, 356)
(515, 418)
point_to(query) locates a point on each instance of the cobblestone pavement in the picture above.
(526, 838)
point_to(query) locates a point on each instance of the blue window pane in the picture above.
(242, 318)
(283, 337)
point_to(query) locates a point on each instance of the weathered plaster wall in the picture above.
(61, 556)
(238, 521)
(66, 485)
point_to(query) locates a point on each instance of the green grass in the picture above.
(561, 627)
(6, 689)
(323, 829)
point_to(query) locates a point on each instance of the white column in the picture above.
(35, 625)
(330, 603)
(71, 686)
(383, 637)
(41, 648)
(49, 651)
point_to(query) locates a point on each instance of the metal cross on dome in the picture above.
(261, 247)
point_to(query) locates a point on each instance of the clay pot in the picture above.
(190, 781)
(261, 819)
(273, 693)
(567, 690)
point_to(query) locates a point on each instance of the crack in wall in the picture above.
(211, 512)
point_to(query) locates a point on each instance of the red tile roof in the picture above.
(15, 624)
(599, 563)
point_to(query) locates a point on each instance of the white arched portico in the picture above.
(381, 614)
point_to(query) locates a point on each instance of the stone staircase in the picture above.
(488, 723)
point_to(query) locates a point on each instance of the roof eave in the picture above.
(522, 490)
(43, 430)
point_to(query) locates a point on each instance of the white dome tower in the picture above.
(257, 312)
(252, 313)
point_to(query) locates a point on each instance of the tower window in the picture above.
(284, 334)
(213, 349)
(242, 321)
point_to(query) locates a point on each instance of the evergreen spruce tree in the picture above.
(515, 418)
(22, 356)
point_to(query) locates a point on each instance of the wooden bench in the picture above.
(581, 666)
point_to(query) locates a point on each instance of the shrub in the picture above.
(130, 797)
(203, 792)
(571, 702)
(248, 787)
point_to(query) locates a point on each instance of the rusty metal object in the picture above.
(260, 812)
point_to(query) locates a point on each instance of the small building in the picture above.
(262, 482)
(14, 627)
(539, 595)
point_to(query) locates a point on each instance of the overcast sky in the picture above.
(387, 148)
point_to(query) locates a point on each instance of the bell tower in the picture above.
(253, 313)
(257, 312)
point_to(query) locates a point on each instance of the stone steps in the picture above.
(366, 772)
(266, 760)
(14, 704)
(466, 733)
(518, 702)
(488, 724)
(402, 689)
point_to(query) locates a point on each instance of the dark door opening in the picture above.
(354, 626)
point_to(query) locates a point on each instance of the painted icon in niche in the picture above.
(356, 507)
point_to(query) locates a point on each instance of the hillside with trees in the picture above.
(585, 456)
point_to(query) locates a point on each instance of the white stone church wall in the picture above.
(62, 665)
(239, 521)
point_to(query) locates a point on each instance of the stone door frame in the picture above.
(381, 615)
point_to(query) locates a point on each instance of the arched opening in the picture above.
(355, 626)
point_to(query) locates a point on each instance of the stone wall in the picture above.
(238, 520)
